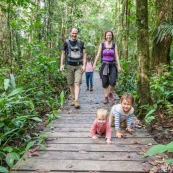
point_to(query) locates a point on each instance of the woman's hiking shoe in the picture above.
(111, 97)
(91, 88)
(72, 102)
(106, 100)
(76, 104)
(87, 88)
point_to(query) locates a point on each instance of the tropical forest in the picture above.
(33, 89)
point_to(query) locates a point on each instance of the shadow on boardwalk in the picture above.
(70, 149)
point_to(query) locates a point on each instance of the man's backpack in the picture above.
(74, 52)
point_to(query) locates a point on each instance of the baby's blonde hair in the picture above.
(128, 97)
(102, 113)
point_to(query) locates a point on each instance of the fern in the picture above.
(164, 30)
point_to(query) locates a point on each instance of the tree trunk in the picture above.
(121, 47)
(161, 50)
(143, 53)
(127, 29)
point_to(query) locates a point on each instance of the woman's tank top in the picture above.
(108, 54)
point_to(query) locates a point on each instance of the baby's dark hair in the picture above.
(127, 96)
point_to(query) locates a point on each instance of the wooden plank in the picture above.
(66, 128)
(63, 125)
(130, 141)
(83, 165)
(94, 147)
(83, 155)
(84, 114)
(54, 134)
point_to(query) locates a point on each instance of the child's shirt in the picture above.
(119, 115)
(89, 67)
(100, 129)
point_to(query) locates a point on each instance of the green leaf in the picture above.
(8, 149)
(11, 157)
(3, 169)
(62, 98)
(13, 81)
(6, 84)
(156, 149)
(169, 147)
(32, 105)
(15, 91)
(29, 145)
(22, 118)
(55, 113)
(169, 161)
(150, 112)
(36, 119)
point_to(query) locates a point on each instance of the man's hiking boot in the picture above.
(111, 97)
(87, 88)
(76, 104)
(91, 88)
(106, 100)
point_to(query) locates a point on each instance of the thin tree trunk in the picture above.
(122, 28)
(1, 34)
(143, 53)
(127, 29)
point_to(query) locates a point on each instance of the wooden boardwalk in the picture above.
(70, 149)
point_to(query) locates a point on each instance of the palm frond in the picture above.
(164, 30)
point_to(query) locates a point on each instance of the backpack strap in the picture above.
(78, 42)
(103, 47)
(113, 45)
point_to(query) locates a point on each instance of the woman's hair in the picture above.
(110, 32)
(127, 96)
(102, 113)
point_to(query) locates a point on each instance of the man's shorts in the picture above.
(74, 74)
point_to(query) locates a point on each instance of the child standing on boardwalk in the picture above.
(101, 125)
(122, 114)
(89, 73)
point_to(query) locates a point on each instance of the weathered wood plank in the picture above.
(94, 147)
(56, 128)
(132, 141)
(75, 165)
(54, 134)
(83, 155)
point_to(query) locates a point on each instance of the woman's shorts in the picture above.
(111, 77)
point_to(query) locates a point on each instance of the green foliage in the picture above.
(127, 77)
(62, 98)
(161, 95)
(3, 169)
(161, 149)
(151, 112)
(18, 107)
